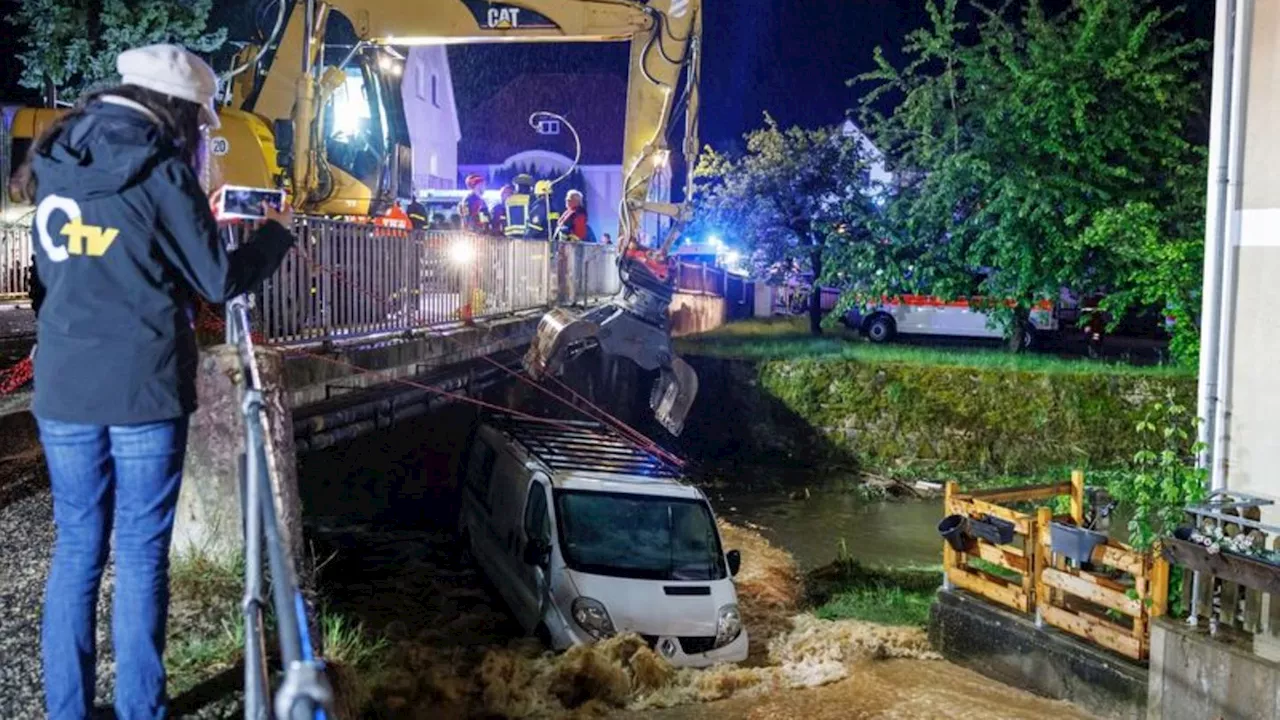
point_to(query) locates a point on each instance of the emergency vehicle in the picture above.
(926, 315)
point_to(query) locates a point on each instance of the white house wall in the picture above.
(879, 174)
(432, 115)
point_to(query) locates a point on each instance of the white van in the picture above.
(924, 315)
(585, 536)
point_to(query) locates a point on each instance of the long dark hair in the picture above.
(179, 119)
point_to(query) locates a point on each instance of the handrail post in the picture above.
(255, 670)
(305, 691)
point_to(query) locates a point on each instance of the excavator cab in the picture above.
(634, 325)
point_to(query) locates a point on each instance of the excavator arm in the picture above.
(665, 42)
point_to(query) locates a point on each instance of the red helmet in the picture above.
(474, 180)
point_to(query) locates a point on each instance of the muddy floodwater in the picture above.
(886, 689)
(381, 517)
(811, 528)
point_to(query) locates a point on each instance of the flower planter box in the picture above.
(1075, 543)
(1231, 567)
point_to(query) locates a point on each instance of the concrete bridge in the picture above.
(356, 306)
(364, 327)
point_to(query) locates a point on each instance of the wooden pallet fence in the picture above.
(1016, 557)
(1111, 603)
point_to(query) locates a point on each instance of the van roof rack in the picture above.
(582, 446)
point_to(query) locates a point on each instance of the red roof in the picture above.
(499, 127)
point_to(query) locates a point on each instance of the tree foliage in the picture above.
(73, 44)
(1045, 152)
(794, 198)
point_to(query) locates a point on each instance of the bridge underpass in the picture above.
(371, 340)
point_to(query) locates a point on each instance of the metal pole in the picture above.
(255, 666)
(1215, 228)
(1235, 181)
(308, 32)
(305, 688)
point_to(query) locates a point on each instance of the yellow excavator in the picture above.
(281, 128)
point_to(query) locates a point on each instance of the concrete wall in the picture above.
(1193, 677)
(691, 314)
(433, 118)
(1254, 449)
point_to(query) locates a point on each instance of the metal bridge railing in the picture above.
(15, 261)
(348, 281)
(305, 692)
(702, 279)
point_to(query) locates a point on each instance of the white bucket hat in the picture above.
(174, 71)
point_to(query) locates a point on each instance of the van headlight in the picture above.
(592, 617)
(728, 625)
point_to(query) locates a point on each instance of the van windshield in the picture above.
(638, 536)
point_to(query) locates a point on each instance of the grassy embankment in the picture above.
(207, 634)
(789, 339)
(981, 416)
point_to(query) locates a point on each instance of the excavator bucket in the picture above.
(673, 395)
(558, 331)
(632, 325)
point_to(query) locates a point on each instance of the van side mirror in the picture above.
(537, 553)
(735, 562)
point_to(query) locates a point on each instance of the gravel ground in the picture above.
(26, 544)
(26, 548)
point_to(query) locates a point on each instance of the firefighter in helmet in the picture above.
(499, 222)
(473, 210)
(518, 207)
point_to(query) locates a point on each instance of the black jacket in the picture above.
(115, 286)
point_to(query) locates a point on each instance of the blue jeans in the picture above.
(126, 477)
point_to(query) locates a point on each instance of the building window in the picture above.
(548, 127)
(435, 90)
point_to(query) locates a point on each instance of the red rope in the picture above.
(442, 392)
(15, 377)
(637, 438)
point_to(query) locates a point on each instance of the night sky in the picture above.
(789, 58)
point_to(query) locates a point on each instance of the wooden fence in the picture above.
(1107, 598)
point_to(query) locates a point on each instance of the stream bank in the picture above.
(383, 534)
(918, 414)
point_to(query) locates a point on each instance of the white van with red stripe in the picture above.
(926, 315)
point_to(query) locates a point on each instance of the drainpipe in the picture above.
(1215, 229)
(1231, 250)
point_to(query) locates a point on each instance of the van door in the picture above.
(477, 503)
(534, 577)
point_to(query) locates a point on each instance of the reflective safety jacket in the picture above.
(418, 215)
(475, 213)
(572, 225)
(517, 215)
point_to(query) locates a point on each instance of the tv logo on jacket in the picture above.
(82, 239)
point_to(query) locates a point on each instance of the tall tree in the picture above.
(1046, 152)
(69, 46)
(794, 197)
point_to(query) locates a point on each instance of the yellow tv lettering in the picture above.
(88, 240)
